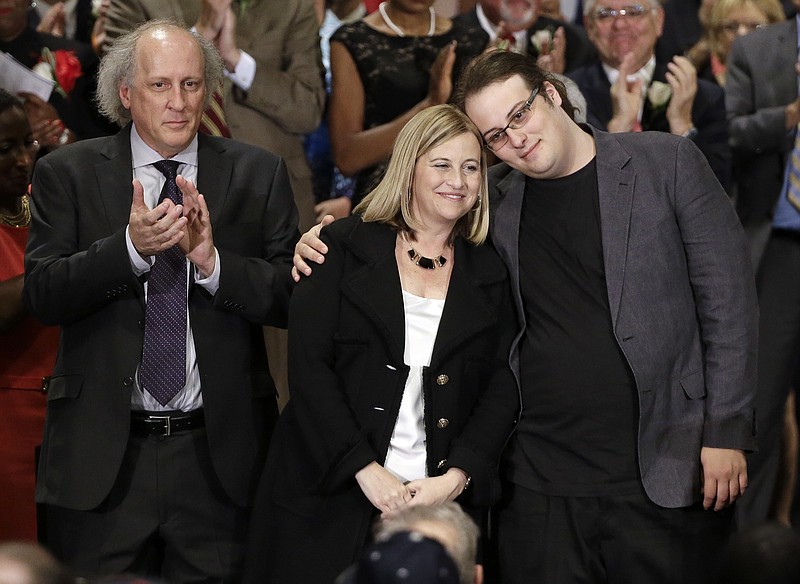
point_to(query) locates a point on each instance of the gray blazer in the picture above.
(681, 294)
(761, 82)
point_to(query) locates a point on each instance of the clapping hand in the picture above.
(682, 79)
(154, 230)
(626, 98)
(552, 57)
(198, 241)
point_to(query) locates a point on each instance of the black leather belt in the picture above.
(167, 423)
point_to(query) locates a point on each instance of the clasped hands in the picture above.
(188, 226)
(388, 494)
(217, 23)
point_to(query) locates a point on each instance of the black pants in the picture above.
(617, 540)
(166, 517)
(778, 283)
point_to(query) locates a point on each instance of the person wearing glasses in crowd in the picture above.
(27, 348)
(725, 21)
(636, 356)
(628, 90)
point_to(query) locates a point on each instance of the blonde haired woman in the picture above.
(398, 362)
(726, 20)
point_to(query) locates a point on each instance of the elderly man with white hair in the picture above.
(629, 90)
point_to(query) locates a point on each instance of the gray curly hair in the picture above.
(119, 66)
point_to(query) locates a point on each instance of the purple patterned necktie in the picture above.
(163, 369)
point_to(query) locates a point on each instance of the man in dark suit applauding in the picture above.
(161, 401)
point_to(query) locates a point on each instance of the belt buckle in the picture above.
(166, 419)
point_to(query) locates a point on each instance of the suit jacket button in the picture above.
(442, 423)
(441, 463)
(442, 379)
(127, 382)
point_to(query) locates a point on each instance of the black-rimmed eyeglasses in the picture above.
(519, 118)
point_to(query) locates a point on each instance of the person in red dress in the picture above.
(27, 348)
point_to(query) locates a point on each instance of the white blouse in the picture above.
(407, 455)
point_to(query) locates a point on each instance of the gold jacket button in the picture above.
(443, 423)
(442, 379)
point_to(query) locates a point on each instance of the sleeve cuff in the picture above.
(242, 77)
(211, 284)
(139, 265)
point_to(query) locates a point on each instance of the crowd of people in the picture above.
(542, 302)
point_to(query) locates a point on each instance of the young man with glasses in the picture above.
(636, 356)
(629, 90)
(636, 360)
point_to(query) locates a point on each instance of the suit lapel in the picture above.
(375, 287)
(464, 297)
(116, 194)
(214, 173)
(615, 186)
(505, 225)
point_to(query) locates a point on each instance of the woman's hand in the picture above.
(382, 488)
(47, 128)
(54, 21)
(440, 85)
(438, 490)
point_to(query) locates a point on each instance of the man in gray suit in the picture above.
(763, 112)
(636, 356)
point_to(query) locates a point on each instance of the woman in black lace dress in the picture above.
(385, 68)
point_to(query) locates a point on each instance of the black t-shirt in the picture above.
(577, 433)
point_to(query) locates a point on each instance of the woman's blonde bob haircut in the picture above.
(390, 201)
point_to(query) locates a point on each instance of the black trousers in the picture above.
(623, 539)
(778, 284)
(166, 517)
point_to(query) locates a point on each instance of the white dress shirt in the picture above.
(190, 397)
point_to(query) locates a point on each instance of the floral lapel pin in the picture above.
(60, 66)
(542, 40)
(659, 94)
